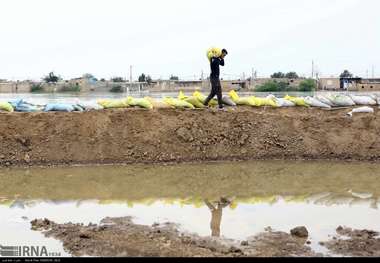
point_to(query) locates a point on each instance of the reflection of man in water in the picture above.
(216, 215)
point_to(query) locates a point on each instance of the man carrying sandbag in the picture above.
(216, 87)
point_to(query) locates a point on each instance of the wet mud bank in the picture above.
(120, 237)
(129, 136)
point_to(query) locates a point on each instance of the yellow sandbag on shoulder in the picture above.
(259, 102)
(202, 98)
(143, 103)
(113, 103)
(6, 106)
(241, 101)
(213, 52)
(158, 104)
(296, 100)
(178, 103)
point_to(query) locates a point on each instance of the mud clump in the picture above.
(42, 224)
(279, 244)
(171, 135)
(356, 243)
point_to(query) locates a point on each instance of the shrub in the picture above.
(37, 87)
(274, 86)
(117, 79)
(307, 85)
(71, 88)
(117, 89)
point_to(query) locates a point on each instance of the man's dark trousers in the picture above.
(216, 89)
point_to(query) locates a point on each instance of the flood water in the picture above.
(279, 194)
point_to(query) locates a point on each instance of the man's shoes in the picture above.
(222, 109)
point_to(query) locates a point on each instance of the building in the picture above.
(368, 85)
(331, 84)
(349, 84)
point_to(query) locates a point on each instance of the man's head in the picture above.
(224, 53)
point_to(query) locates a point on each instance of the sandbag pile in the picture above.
(196, 101)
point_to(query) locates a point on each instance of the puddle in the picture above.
(282, 195)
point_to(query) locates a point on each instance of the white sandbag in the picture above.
(363, 100)
(228, 101)
(341, 100)
(324, 100)
(313, 102)
(281, 102)
(361, 110)
(90, 105)
(374, 96)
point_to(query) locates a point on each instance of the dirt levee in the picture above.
(139, 136)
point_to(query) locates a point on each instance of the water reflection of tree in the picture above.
(216, 214)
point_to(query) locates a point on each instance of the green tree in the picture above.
(142, 78)
(36, 87)
(278, 75)
(117, 89)
(117, 79)
(172, 77)
(71, 87)
(291, 75)
(346, 74)
(52, 78)
(307, 85)
(149, 79)
(270, 86)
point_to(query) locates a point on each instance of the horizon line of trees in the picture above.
(52, 77)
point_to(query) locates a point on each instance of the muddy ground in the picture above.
(355, 243)
(120, 237)
(170, 135)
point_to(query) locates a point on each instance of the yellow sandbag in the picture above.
(213, 52)
(259, 102)
(192, 100)
(114, 103)
(202, 98)
(241, 101)
(182, 96)
(195, 102)
(158, 104)
(178, 103)
(143, 103)
(6, 106)
(298, 101)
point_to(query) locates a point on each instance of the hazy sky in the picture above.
(164, 37)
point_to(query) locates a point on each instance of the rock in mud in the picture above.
(300, 232)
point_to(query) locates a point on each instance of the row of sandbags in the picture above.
(321, 101)
(21, 105)
(196, 101)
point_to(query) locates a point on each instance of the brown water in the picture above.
(283, 195)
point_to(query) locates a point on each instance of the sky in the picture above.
(165, 37)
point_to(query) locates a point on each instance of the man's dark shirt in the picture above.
(215, 71)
